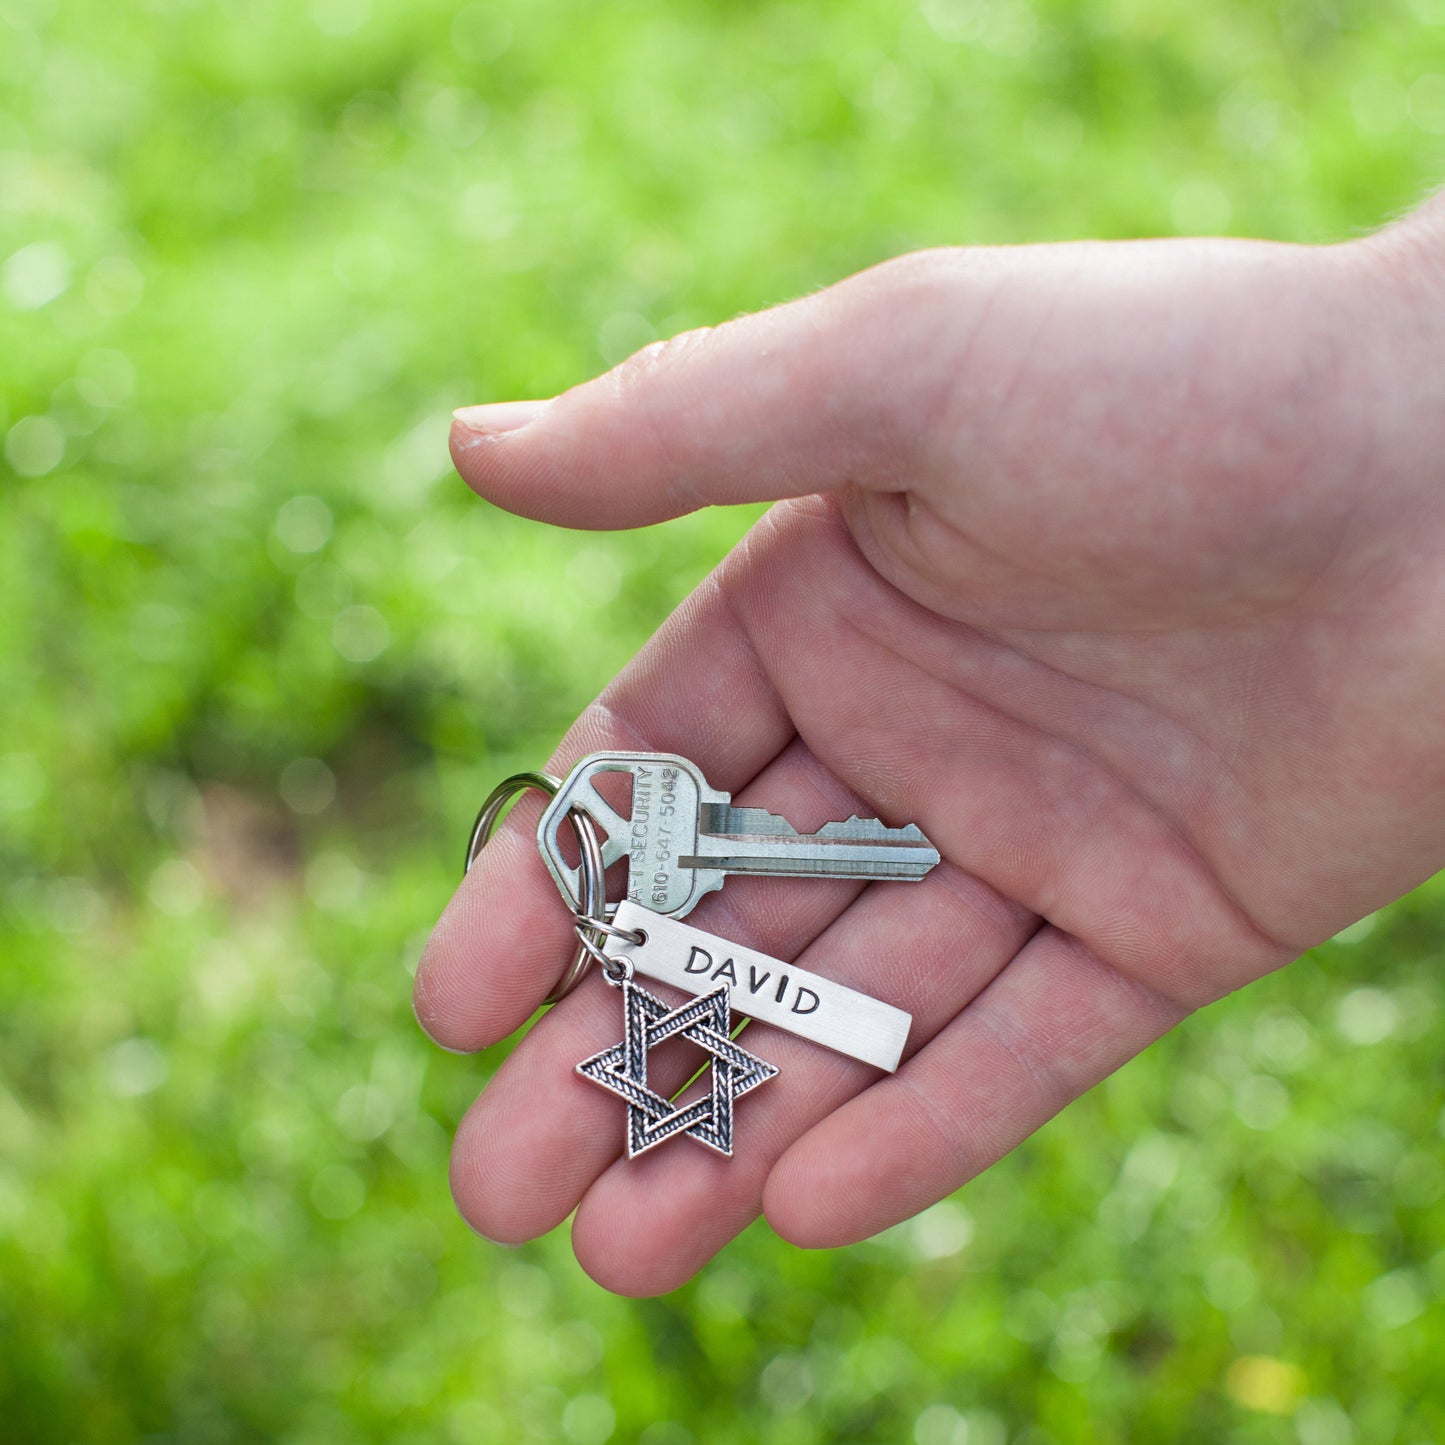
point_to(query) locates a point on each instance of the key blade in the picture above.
(755, 862)
(858, 848)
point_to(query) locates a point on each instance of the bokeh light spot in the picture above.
(105, 377)
(1263, 1383)
(786, 1383)
(524, 1290)
(73, 905)
(1427, 104)
(576, 1347)
(114, 286)
(308, 786)
(1230, 1283)
(134, 1067)
(480, 34)
(364, 1112)
(303, 524)
(340, 17)
(360, 634)
(333, 881)
(1358, 931)
(35, 275)
(940, 1425)
(1378, 103)
(176, 888)
(1323, 1422)
(588, 1420)
(1395, 1299)
(35, 445)
(1282, 1038)
(1367, 1016)
(941, 1231)
(1261, 1102)
(622, 334)
(487, 210)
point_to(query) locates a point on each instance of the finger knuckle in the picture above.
(639, 373)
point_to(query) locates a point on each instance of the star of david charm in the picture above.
(622, 1069)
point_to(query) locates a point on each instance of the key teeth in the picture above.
(857, 827)
(728, 821)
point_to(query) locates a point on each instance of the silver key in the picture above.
(683, 838)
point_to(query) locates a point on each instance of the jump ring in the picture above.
(590, 909)
(617, 970)
(607, 926)
(591, 932)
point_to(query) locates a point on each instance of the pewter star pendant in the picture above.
(651, 1119)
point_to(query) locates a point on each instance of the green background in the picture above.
(261, 654)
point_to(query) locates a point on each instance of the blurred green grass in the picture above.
(262, 654)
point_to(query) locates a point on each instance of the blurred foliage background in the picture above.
(261, 655)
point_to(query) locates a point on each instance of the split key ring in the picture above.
(590, 910)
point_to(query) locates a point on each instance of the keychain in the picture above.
(682, 839)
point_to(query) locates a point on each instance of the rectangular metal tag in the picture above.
(781, 994)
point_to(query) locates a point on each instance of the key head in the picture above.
(668, 796)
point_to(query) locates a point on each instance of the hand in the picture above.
(1118, 568)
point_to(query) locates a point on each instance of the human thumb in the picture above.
(784, 403)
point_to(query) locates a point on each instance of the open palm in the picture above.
(1116, 568)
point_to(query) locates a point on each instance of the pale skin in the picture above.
(1119, 568)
